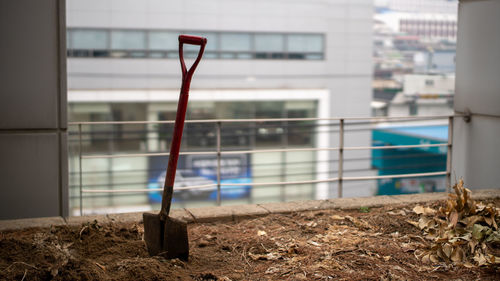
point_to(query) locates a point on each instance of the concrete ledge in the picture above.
(211, 214)
(420, 198)
(81, 220)
(485, 194)
(180, 214)
(28, 223)
(125, 217)
(356, 203)
(248, 211)
(239, 212)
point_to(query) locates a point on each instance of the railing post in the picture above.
(448, 154)
(80, 166)
(218, 128)
(284, 145)
(341, 157)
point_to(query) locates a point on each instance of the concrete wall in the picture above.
(33, 157)
(476, 151)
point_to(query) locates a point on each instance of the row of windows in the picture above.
(430, 32)
(221, 45)
(428, 22)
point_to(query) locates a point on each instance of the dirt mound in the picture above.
(365, 244)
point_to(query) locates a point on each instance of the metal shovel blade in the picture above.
(167, 238)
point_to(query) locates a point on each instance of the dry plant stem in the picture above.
(24, 276)
(82, 230)
(19, 262)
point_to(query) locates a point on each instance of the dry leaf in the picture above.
(480, 259)
(447, 249)
(337, 217)
(453, 218)
(424, 210)
(426, 258)
(414, 223)
(434, 258)
(314, 243)
(400, 213)
(457, 255)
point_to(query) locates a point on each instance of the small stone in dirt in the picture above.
(206, 277)
(210, 237)
(300, 276)
(202, 243)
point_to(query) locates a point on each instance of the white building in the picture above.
(424, 95)
(264, 59)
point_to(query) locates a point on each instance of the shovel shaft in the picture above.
(168, 188)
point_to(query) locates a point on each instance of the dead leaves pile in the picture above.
(462, 232)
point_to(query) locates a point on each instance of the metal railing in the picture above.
(219, 152)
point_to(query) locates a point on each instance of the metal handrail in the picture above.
(341, 148)
(414, 175)
(375, 119)
(263, 151)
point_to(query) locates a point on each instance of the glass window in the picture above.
(305, 43)
(89, 39)
(128, 40)
(161, 40)
(235, 42)
(269, 43)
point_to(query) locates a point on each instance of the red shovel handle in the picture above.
(193, 40)
(168, 188)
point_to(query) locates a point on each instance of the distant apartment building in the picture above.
(418, 6)
(429, 26)
(264, 59)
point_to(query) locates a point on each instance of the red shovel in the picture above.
(164, 235)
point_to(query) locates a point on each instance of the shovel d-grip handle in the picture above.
(168, 188)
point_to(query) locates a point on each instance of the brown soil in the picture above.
(365, 244)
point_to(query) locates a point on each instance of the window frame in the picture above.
(251, 54)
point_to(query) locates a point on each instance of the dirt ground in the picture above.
(364, 244)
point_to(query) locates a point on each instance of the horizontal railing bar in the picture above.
(145, 154)
(208, 185)
(263, 151)
(271, 183)
(145, 189)
(277, 150)
(394, 146)
(416, 175)
(381, 119)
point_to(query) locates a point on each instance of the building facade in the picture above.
(264, 59)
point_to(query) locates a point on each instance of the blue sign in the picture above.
(201, 170)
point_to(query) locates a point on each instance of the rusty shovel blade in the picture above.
(167, 238)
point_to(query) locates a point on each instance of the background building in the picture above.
(264, 59)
